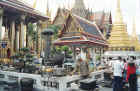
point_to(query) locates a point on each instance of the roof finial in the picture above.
(118, 4)
(34, 4)
(118, 17)
(48, 13)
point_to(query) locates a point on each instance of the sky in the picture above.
(130, 8)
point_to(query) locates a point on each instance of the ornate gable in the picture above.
(60, 18)
(71, 28)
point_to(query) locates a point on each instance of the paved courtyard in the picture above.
(106, 89)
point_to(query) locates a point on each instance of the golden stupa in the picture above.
(134, 38)
(119, 39)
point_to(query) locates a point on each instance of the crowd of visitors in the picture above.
(124, 72)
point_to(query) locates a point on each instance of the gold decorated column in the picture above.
(39, 37)
(17, 38)
(23, 32)
(1, 21)
(12, 36)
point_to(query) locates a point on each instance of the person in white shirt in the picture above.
(117, 73)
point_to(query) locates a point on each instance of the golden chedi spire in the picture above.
(45, 24)
(34, 4)
(118, 16)
(134, 34)
(119, 37)
(48, 12)
(134, 37)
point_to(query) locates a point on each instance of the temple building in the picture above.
(119, 39)
(101, 18)
(78, 32)
(14, 19)
(104, 22)
(80, 10)
(61, 16)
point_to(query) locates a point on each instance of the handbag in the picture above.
(137, 71)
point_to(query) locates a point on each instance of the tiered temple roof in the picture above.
(61, 17)
(80, 10)
(79, 31)
(102, 19)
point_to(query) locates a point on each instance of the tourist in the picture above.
(125, 69)
(117, 73)
(131, 75)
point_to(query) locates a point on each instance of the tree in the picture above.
(56, 30)
(32, 35)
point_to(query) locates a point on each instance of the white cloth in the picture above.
(78, 57)
(42, 54)
(83, 55)
(117, 68)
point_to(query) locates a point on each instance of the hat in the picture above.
(77, 49)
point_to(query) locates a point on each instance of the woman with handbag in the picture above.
(131, 75)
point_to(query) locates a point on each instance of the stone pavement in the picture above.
(106, 89)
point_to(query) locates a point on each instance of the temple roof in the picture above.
(89, 27)
(79, 9)
(102, 18)
(89, 33)
(18, 6)
(62, 14)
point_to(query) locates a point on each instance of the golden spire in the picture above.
(48, 13)
(134, 37)
(134, 34)
(119, 37)
(34, 4)
(118, 16)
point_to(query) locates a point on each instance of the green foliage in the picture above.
(98, 57)
(30, 29)
(25, 50)
(65, 48)
(62, 49)
(70, 52)
(17, 55)
(56, 29)
(34, 35)
(58, 49)
(29, 55)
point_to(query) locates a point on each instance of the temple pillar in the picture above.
(23, 32)
(17, 39)
(39, 39)
(94, 57)
(1, 21)
(12, 36)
